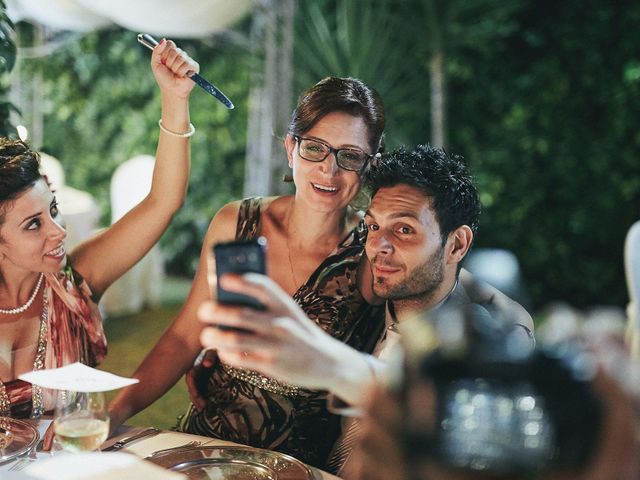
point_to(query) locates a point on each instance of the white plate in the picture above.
(17, 437)
(232, 463)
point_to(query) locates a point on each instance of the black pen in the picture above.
(150, 42)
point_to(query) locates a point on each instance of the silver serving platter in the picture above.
(232, 463)
(17, 437)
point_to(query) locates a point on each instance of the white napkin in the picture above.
(77, 377)
(98, 466)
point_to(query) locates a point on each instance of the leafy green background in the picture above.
(7, 62)
(542, 101)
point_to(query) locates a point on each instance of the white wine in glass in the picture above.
(81, 422)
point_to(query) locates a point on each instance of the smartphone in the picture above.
(240, 257)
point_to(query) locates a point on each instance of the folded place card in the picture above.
(77, 377)
(98, 466)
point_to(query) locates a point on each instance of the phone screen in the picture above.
(239, 257)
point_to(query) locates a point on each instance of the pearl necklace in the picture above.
(17, 310)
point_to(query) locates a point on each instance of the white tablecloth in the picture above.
(140, 448)
(169, 439)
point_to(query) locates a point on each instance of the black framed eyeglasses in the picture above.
(313, 150)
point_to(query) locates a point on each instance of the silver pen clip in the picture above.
(147, 40)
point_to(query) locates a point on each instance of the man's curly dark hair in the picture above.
(437, 174)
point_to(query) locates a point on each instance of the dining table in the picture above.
(177, 448)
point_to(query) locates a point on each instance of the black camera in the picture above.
(478, 397)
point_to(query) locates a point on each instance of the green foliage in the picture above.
(7, 61)
(544, 107)
(548, 120)
(102, 108)
(388, 44)
(363, 39)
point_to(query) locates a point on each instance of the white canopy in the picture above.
(177, 18)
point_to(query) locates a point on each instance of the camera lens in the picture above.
(489, 426)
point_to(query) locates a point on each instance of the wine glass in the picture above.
(81, 421)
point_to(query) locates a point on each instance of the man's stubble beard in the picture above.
(419, 283)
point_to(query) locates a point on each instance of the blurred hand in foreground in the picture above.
(380, 453)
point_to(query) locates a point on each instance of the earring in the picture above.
(287, 177)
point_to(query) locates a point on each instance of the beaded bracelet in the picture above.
(187, 134)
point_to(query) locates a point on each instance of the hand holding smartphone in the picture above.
(239, 257)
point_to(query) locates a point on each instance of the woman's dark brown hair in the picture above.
(19, 171)
(333, 94)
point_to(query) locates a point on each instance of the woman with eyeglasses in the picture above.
(314, 252)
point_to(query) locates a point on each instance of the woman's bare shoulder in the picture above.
(223, 224)
(275, 208)
(278, 203)
(228, 212)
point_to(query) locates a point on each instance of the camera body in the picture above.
(477, 398)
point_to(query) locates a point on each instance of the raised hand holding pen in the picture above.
(150, 42)
(172, 68)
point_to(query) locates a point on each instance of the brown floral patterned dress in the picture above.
(245, 407)
(70, 331)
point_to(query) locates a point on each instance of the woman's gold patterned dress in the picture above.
(248, 408)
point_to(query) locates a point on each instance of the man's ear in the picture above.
(459, 243)
(289, 145)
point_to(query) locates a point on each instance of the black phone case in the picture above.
(239, 257)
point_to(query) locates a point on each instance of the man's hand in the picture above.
(281, 341)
